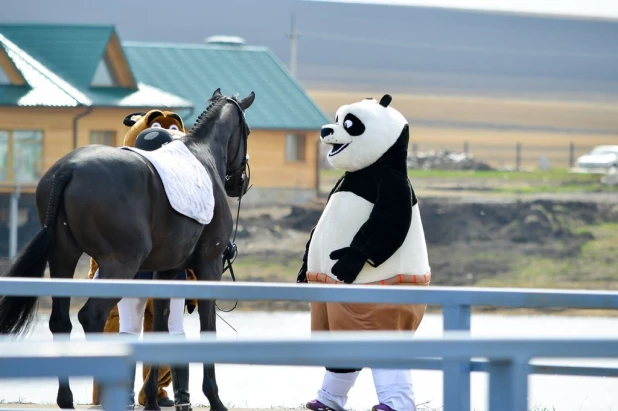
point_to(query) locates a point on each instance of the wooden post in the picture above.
(518, 156)
(571, 154)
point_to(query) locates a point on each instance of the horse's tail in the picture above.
(17, 312)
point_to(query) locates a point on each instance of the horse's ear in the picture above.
(132, 118)
(217, 93)
(246, 102)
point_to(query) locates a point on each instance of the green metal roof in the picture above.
(70, 51)
(59, 61)
(195, 71)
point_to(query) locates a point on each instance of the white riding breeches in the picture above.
(131, 313)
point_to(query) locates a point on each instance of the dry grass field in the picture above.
(492, 127)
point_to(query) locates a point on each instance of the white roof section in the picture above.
(146, 94)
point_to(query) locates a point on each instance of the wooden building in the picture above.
(65, 86)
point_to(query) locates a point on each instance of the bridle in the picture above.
(237, 180)
(236, 185)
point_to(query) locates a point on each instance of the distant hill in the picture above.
(376, 47)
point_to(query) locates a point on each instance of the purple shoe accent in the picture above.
(381, 407)
(316, 405)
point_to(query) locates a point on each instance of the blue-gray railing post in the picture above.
(508, 384)
(456, 373)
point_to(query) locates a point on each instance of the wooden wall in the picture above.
(269, 167)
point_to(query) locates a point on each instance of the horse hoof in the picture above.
(65, 405)
(152, 407)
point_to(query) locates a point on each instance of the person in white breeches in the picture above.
(131, 313)
(131, 318)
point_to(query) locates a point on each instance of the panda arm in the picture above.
(387, 226)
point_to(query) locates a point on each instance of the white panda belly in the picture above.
(343, 216)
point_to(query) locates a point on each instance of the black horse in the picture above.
(111, 204)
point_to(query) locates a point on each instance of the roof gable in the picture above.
(9, 74)
(194, 71)
(70, 51)
(42, 86)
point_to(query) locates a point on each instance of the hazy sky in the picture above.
(595, 8)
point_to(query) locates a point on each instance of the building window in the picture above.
(104, 75)
(21, 155)
(294, 147)
(107, 138)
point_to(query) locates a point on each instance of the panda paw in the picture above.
(302, 274)
(350, 264)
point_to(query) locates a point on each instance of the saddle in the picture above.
(187, 184)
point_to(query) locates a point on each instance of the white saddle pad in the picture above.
(187, 183)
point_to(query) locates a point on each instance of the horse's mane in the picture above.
(210, 114)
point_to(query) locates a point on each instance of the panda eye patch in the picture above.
(353, 125)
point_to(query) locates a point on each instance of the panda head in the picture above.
(362, 133)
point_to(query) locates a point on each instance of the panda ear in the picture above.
(385, 100)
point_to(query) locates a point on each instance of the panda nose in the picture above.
(326, 131)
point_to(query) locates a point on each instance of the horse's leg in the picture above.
(62, 263)
(94, 313)
(160, 314)
(180, 372)
(209, 270)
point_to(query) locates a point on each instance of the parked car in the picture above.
(599, 160)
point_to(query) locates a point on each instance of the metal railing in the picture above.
(508, 360)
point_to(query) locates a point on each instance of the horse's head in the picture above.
(226, 116)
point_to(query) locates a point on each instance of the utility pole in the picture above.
(14, 210)
(293, 36)
(14, 223)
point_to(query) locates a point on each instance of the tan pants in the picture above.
(367, 317)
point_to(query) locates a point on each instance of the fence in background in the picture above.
(507, 359)
(514, 155)
(517, 156)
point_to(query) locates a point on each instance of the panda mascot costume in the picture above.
(370, 232)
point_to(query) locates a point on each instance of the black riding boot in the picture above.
(180, 383)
